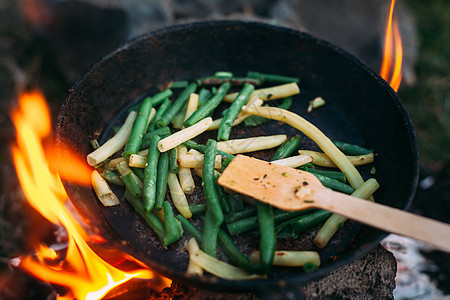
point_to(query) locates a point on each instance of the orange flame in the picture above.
(86, 274)
(393, 52)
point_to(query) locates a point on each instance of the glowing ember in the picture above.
(86, 274)
(393, 52)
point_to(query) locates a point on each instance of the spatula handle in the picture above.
(388, 219)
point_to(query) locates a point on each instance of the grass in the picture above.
(428, 101)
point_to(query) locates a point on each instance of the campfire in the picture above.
(391, 68)
(83, 272)
(84, 267)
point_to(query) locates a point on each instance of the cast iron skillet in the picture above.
(361, 108)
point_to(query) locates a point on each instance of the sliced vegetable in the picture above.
(287, 148)
(196, 161)
(139, 128)
(272, 93)
(161, 180)
(219, 268)
(323, 160)
(132, 183)
(172, 227)
(102, 190)
(294, 161)
(176, 106)
(151, 173)
(315, 103)
(291, 258)
(178, 197)
(209, 106)
(251, 144)
(241, 99)
(114, 144)
(184, 135)
(274, 78)
(351, 149)
(214, 215)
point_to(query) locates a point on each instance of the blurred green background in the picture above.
(428, 101)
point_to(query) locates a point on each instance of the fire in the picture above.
(85, 273)
(393, 52)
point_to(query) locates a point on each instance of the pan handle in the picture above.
(282, 293)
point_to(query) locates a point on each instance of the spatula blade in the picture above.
(280, 186)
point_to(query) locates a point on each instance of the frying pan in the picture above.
(361, 108)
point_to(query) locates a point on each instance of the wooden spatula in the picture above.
(292, 189)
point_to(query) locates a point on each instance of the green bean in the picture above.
(224, 112)
(110, 176)
(132, 183)
(250, 223)
(267, 240)
(151, 127)
(226, 243)
(224, 154)
(224, 74)
(161, 96)
(201, 148)
(309, 267)
(161, 179)
(273, 78)
(225, 163)
(138, 130)
(221, 194)
(224, 130)
(339, 176)
(350, 149)
(335, 184)
(139, 173)
(178, 84)
(235, 202)
(286, 104)
(233, 216)
(176, 106)
(203, 96)
(160, 113)
(216, 80)
(214, 215)
(190, 228)
(178, 120)
(162, 132)
(151, 171)
(198, 209)
(307, 167)
(173, 161)
(193, 145)
(287, 148)
(292, 228)
(150, 218)
(94, 144)
(209, 106)
(173, 230)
